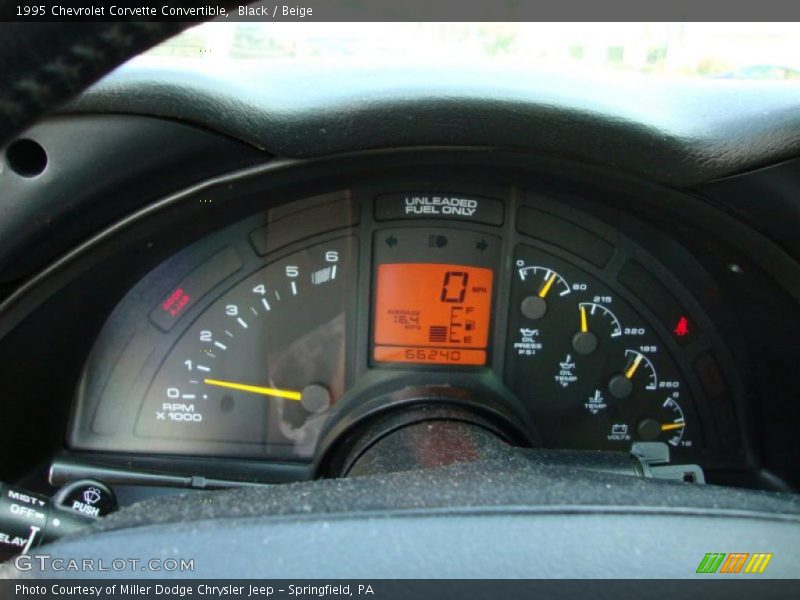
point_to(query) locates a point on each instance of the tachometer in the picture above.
(263, 364)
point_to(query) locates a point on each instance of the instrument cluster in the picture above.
(259, 340)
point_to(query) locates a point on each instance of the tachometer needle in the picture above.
(671, 426)
(635, 365)
(547, 285)
(256, 389)
(584, 322)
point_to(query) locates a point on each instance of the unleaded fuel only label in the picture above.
(425, 205)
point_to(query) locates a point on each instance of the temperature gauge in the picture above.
(639, 370)
(593, 318)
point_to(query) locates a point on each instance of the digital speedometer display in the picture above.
(432, 313)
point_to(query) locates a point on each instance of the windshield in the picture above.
(753, 51)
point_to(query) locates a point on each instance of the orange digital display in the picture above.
(431, 313)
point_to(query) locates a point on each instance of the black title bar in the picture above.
(399, 10)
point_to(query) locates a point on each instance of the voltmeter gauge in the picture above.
(667, 424)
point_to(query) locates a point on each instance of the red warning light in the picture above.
(682, 328)
(176, 302)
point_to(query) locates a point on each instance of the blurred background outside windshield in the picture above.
(752, 51)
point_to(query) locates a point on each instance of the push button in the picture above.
(86, 497)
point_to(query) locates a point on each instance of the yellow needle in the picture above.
(584, 324)
(632, 369)
(255, 389)
(671, 426)
(547, 285)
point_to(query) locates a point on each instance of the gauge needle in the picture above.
(255, 389)
(671, 426)
(632, 369)
(584, 323)
(547, 285)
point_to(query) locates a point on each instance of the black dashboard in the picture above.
(241, 330)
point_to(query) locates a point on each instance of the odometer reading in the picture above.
(432, 313)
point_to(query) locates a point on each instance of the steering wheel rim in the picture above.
(43, 65)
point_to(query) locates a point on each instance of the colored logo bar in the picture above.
(734, 562)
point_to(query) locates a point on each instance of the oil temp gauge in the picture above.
(585, 340)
